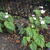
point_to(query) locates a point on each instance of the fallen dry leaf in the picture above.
(17, 41)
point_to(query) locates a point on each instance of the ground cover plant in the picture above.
(6, 22)
(31, 28)
(34, 37)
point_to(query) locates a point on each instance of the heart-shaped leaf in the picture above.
(48, 44)
(33, 46)
(9, 25)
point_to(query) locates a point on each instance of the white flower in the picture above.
(6, 13)
(40, 18)
(42, 22)
(6, 16)
(22, 24)
(33, 15)
(41, 7)
(32, 26)
(43, 11)
(34, 18)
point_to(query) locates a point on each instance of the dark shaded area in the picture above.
(22, 8)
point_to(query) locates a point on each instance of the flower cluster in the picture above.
(42, 10)
(41, 19)
(6, 16)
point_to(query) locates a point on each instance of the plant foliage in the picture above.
(33, 36)
(48, 44)
(6, 22)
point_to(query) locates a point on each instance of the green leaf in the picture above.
(0, 24)
(39, 40)
(37, 23)
(9, 25)
(37, 12)
(21, 31)
(44, 26)
(2, 15)
(10, 19)
(39, 49)
(33, 46)
(10, 31)
(35, 32)
(29, 31)
(1, 28)
(47, 19)
(31, 19)
(25, 40)
(48, 44)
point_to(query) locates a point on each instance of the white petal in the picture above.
(33, 15)
(42, 22)
(40, 18)
(32, 26)
(41, 7)
(43, 11)
(6, 16)
(6, 13)
(22, 24)
(34, 18)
